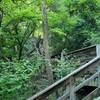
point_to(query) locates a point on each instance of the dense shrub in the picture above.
(64, 66)
(15, 79)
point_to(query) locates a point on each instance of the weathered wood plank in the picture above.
(91, 48)
(85, 50)
(72, 87)
(91, 65)
(98, 50)
(86, 81)
(64, 97)
(98, 83)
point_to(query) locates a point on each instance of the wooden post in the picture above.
(98, 81)
(98, 55)
(72, 87)
(98, 50)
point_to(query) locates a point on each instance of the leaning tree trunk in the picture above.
(46, 43)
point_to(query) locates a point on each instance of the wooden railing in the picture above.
(86, 49)
(71, 83)
(84, 55)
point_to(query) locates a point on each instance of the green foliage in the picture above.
(75, 20)
(18, 25)
(70, 22)
(15, 78)
(64, 66)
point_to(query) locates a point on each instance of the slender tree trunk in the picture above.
(46, 43)
(20, 52)
(1, 16)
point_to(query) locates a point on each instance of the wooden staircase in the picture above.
(81, 84)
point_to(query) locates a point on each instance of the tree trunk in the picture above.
(1, 16)
(46, 43)
(20, 52)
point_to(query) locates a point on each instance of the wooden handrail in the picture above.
(65, 80)
(82, 50)
(90, 48)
